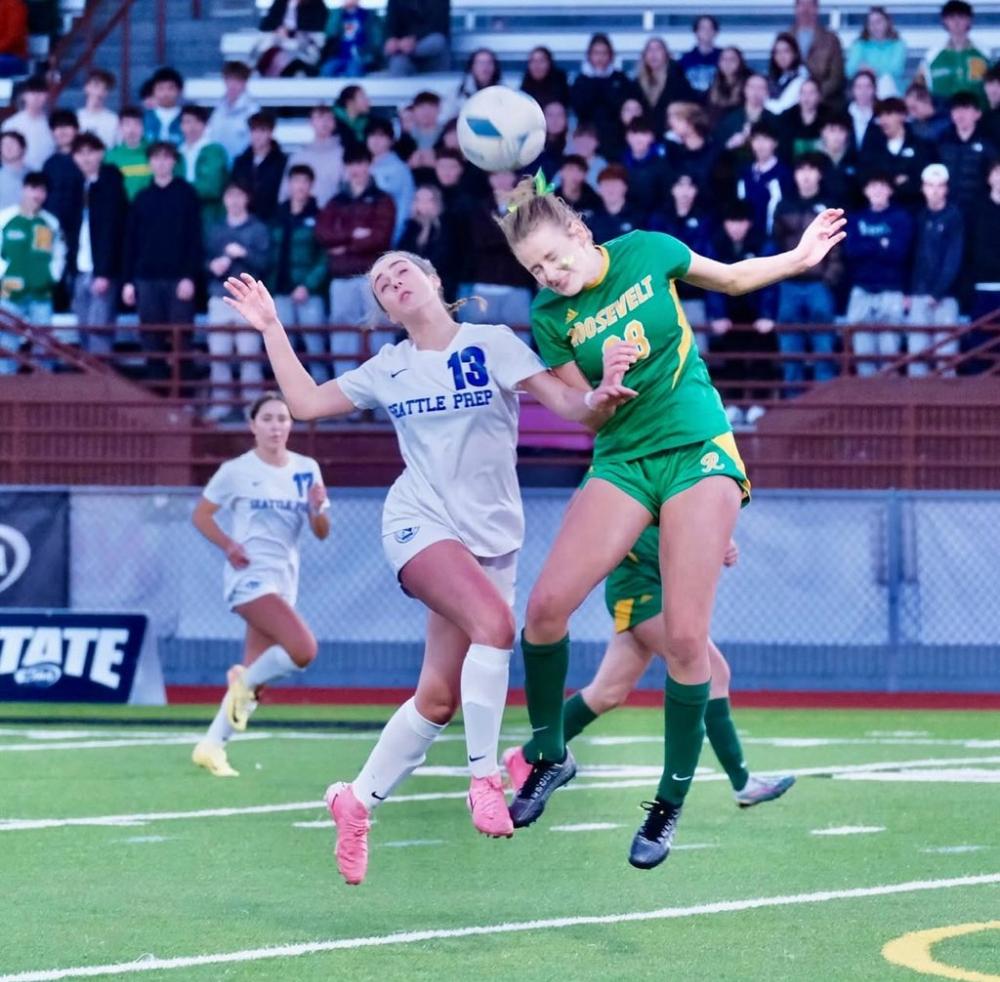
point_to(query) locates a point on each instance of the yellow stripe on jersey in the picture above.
(727, 442)
(604, 270)
(623, 614)
(687, 335)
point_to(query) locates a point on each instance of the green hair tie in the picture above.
(542, 188)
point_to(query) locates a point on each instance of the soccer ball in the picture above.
(501, 129)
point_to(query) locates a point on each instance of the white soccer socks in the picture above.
(402, 747)
(485, 675)
(274, 664)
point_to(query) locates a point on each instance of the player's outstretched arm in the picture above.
(591, 407)
(306, 400)
(823, 233)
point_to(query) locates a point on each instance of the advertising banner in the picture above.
(34, 549)
(64, 656)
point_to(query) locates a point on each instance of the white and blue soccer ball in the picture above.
(501, 129)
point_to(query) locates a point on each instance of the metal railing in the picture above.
(74, 53)
(150, 404)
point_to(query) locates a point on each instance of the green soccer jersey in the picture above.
(635, 300)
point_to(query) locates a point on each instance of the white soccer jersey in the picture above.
(270, 508)
(455, 413)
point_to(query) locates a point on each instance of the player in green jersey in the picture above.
(667, 457)
(633, 598)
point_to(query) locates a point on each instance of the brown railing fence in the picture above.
(149, 411)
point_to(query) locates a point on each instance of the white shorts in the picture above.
(243, 585)
(403, 544)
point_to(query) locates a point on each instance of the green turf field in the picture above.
(121, 860)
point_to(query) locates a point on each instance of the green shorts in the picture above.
(634, 592)
(655, 479)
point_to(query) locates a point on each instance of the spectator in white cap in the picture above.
(937, 262)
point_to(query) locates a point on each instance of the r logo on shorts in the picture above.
(404, 535)
(711, 462)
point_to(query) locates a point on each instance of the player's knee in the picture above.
(304, 652)
(497, 628)
(686, 648)
(546, 614)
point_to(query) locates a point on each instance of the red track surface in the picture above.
(302, 696)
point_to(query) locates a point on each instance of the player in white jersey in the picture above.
(452, 524)
(273, 494)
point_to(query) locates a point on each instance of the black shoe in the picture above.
(545, 777)
(652, 842)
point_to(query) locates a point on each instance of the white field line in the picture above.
(153, 964)
(585, 827)
(180, 739)
(29, 824)
(133, 740)
(53, 738)
(968, 775)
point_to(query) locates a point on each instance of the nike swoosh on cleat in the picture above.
(677, 777)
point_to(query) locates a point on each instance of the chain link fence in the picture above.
(838, 590)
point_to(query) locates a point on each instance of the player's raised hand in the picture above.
(732, 556)
(822, 234)
(618, 358)
(252, 301)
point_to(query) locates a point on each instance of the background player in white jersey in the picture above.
(273, 494)
(452, 523)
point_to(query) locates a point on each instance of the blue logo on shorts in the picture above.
(404, 535)
(251, 584)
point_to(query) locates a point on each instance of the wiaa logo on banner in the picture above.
(69, 657)
(15, 554)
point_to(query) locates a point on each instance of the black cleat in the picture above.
(546, 776)
(652, 842)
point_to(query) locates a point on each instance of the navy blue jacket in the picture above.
(878, 248)
(747, 307)
(764, 190)
(937, 255)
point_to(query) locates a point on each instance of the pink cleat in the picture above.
(489, 807)
(516, 766)
(352, 822)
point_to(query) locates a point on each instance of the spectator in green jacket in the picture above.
(297, 277)
(352, 110)
(32, 260)
(203, 164)
(958, 65)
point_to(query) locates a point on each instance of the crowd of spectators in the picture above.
(152, 208)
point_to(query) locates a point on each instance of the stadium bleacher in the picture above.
(511, 28)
